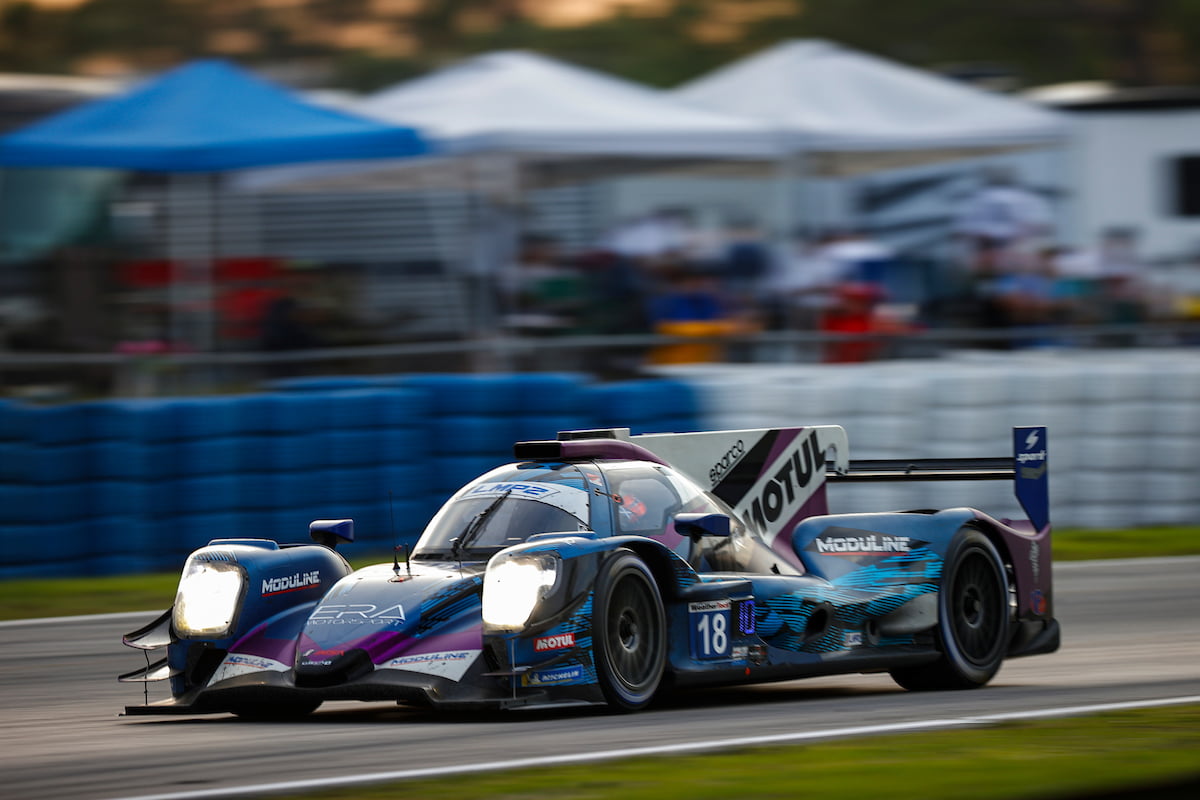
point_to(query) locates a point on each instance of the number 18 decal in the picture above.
(710, 629)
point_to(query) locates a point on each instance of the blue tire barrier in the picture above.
(537, 428)
(298, 412)
(117, 460)
(636, 402)
(209, 493)
(31, 504)
(255, 490)
(320, 383)
(401, 407)
(451, 472)
(467, 395)
(196, 530)
(20, 544)
(136, 420)
(204, 417)
(298, 451)
(347, 448)
(403, 445)
(297, 488)
(549, 393)
(27, 462)
(352, 485)
(254, 413)
(64, 541)
(405, 481)
(206, 456)
(127, 498)
(360, 408)
(255, 453)
(461, 435)
(53, 425)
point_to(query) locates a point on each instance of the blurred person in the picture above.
(1003, 222)
(857, 309)
(745, 264)
(691, 304)
(803, 283)
(540, 292)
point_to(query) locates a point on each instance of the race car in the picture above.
(607, 568)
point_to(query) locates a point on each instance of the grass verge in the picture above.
(23, 599)
(1146, 753)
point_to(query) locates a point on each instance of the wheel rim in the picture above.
(979, 602)
(633, 633)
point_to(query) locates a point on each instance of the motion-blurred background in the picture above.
(267, 261)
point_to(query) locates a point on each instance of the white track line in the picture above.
(316, 784)
(115, 617)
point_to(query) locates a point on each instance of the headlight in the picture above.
(514, 585)
(208, 598)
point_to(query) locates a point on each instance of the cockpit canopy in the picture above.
(610, 497)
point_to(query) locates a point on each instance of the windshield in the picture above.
(506, 507)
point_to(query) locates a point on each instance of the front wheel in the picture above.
(972, 631)
(629, 632)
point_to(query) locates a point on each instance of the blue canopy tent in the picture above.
(203, 118)
(206, 116)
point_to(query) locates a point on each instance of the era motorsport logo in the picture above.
(1032, 457)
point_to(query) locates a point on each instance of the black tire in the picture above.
(629, 632)
(973, 619)
(275, 710)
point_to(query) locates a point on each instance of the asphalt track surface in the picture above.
(1130, 634)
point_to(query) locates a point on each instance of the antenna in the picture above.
(396, 544)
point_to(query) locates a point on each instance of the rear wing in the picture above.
(1026, 468)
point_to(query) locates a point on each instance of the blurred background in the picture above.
(229, 229)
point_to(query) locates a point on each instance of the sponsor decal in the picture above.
(551, 677)
(854, 639)
(1035, 560)
(236, 664)
(1037, 602)
(787, 485)
(705, 606)
(534, 490)
(1037, 457)
(558, 642)
(290, 583)
(745, 616)
(356, 614)
(727, 462)
(864, 544)
(450, 664)
(740, 653)
(321, 658)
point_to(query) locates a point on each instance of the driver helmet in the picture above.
(631, 509)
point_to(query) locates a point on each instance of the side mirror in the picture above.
(694, 525)
(330, 531)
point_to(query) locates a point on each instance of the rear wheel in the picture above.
(629, 633)
(972, 631)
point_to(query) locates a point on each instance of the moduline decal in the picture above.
(290, 583)
(451, 664)
(236, 664)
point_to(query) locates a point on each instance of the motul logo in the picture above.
(558, 642)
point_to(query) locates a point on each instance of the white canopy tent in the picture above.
(826, 100)
(504, 112)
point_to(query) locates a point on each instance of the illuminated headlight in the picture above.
(514, 585)
(208, 598)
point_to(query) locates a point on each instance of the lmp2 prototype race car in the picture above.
(605, 568)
